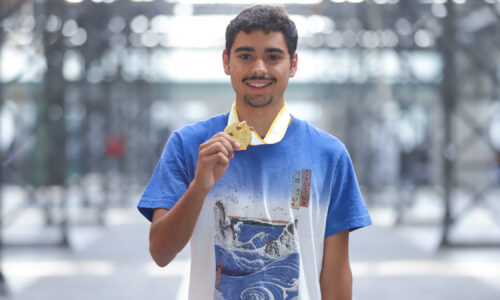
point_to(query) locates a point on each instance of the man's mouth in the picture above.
(258, 83)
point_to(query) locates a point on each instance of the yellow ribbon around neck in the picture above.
(275, 133)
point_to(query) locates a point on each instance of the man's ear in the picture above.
(225, 62)
(293, 65)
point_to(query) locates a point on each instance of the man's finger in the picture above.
(215, 158)
(229, 138)
(216, 147)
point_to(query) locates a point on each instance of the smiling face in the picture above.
(259, 65)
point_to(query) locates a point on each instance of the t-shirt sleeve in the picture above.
(347, 210)
(169, 180)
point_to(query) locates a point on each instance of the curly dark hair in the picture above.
(265, 17)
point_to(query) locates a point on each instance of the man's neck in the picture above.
(260, 118)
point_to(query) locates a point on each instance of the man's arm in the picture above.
(171, 229)
(336, 276)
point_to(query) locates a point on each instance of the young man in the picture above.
(268, 222)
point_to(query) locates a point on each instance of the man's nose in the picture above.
(259, 67)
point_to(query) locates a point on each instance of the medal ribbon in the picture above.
(275, 133)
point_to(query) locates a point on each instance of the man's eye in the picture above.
(245, 56)
(274, 57)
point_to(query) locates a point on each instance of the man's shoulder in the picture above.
(203, 129)
(318, 137)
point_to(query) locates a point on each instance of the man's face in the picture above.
(259, 66)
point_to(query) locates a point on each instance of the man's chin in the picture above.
(258, 101)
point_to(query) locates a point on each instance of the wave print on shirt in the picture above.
(255, 258)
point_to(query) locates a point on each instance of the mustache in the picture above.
(258, 78)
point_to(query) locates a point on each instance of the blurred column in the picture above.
(3, 285)
(449, 98)
(53, 117)
(54, 91)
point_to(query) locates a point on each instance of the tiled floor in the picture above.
(112, 262)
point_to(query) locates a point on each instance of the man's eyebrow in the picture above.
(251, 49)
(244, 49)
(279, 50)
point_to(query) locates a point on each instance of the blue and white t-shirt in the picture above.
(261, 231)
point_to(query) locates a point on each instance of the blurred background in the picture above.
(91, 90)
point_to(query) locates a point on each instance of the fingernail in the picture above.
(237, 145)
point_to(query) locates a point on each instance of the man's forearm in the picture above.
(171, 231)
(338, 287)
(336, 275)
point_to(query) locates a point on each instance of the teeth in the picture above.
(258, 85)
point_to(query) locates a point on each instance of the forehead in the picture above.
(260, 40)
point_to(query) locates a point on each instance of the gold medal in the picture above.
(241, 132)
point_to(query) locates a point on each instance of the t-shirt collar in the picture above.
(275, 133)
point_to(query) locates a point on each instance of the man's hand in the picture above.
(213, 160)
